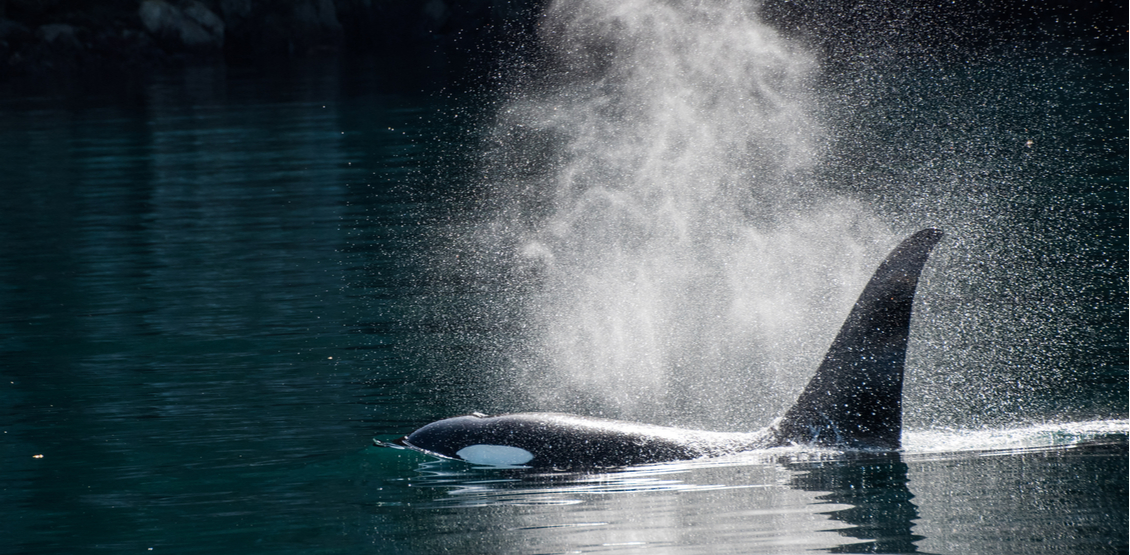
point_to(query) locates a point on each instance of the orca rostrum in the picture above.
(854, 400)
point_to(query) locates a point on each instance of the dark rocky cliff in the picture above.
(53, 37)
(43, 37)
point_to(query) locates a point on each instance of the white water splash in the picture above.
(658, 180)
(1039, 436)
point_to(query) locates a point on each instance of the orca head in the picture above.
(469, 438)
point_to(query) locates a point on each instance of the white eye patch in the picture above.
(495, 455)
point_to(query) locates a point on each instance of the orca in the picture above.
(853, 401)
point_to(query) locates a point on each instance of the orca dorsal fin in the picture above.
(855, 398)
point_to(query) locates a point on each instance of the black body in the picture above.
(567, 441)
(854, 400)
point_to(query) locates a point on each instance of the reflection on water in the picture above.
(180, 317)
(783, 501)
(1032, 501)
(881, 512)
(719, 506)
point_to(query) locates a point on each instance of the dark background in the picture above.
(449, 42)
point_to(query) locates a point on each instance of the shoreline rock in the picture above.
(455, 38)
(194, 28)
(41, 38)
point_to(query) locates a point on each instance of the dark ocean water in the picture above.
(217, 286)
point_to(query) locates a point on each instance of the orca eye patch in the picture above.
(495, 455)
